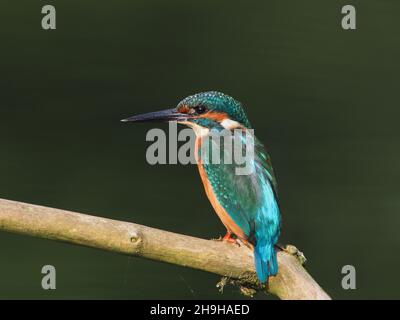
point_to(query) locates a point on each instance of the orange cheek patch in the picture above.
(217, 116)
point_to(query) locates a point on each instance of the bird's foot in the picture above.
(292, 250)
(228, 238)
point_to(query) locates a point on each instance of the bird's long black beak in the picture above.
(162, 116)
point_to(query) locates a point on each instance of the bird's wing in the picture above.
(243, 196)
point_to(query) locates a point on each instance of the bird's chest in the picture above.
(215, 194)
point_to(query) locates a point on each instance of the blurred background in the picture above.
(323, 100)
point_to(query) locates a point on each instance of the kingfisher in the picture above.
(246, 204)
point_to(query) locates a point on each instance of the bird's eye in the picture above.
(200, 109)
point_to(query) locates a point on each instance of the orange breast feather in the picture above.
(226, 219)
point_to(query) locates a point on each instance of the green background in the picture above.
(324, 101)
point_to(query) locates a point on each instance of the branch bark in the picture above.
(227, 260)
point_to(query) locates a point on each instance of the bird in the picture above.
(247, 205)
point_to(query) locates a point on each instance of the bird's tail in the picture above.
(265, 260)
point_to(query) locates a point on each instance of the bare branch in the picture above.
(236, 263)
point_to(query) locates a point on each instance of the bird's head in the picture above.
(205, 110)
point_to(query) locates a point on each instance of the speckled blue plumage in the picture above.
(220, 102)
(250, 200)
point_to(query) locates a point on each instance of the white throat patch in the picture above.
(230, 124)
(198, 130)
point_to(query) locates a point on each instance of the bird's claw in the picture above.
(229, 239)
(233, 241)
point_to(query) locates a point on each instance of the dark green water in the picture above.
(324, 101)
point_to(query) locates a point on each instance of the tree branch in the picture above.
(231, 261)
